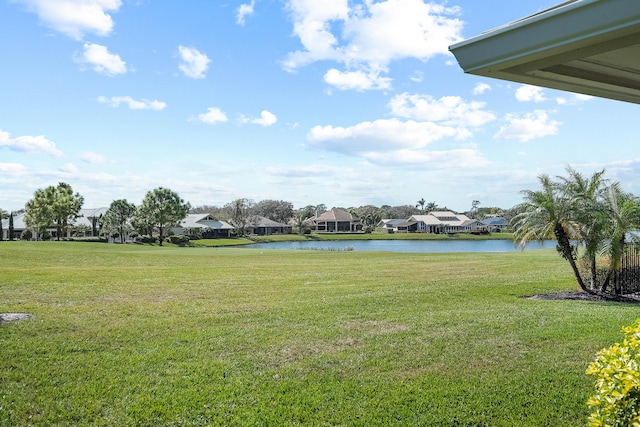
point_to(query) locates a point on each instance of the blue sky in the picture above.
(338, 102)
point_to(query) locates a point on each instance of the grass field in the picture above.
(149, 336)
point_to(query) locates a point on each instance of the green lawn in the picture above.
(164, 336)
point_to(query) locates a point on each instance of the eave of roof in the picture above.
(585, 46)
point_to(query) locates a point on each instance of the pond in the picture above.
(425, 246)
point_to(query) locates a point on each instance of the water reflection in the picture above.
(425, 246)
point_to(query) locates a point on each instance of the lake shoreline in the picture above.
(327, 237)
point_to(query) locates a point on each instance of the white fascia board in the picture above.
(559, 31)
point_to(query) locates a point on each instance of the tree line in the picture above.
(59, 206)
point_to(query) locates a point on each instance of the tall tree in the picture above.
(431, 206)
(624, 216)
(369, 216)
(141, 221)
(53, 207)
(3, 215)
(300, 219)
(316, 209)
(421, 204)
(66, 207)
(547, 214)
(38, 211)
(403, 211)
(118, 217)
(277, 210)
(239, 213)
(162, 208)
(585, 196)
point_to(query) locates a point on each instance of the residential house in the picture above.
(391, 225)
(18, 226)
(336, 221)
(89, 218)
(439, 222)
(205, 225)
(265, 227)
(495, 223)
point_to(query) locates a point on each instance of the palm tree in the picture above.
(421, 204)
(624, 216)
(546, 214)
(586, 198)
(431, 206)
(300, 219)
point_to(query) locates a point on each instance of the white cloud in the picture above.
(213, 116)
(243, 11)
(358, 80)
(309, 171)
(378, 136)
(75, 17)
(143, 104)
(68, 169)
(29, 144)
(395, 143)
(529, 126)
(194, 63)
(266, 119)
(528, 93)
(91, 157)
(372, 33)
(582, 97)
(12, 169)
(573, 99)
(481, 88)
(451, 110)
(102, 60)
(417, 77)
(457, 158)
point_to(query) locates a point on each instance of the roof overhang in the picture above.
(585, 46)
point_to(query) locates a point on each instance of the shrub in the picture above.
(178, 240)
(146, 239)
(617, 372)
(26, 234)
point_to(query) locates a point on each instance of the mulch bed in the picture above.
(584, 296)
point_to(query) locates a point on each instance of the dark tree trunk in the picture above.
(612, 272)
(567, 252)
(594, 272)
(11, 226)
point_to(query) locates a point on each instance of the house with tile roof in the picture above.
(336, 221)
